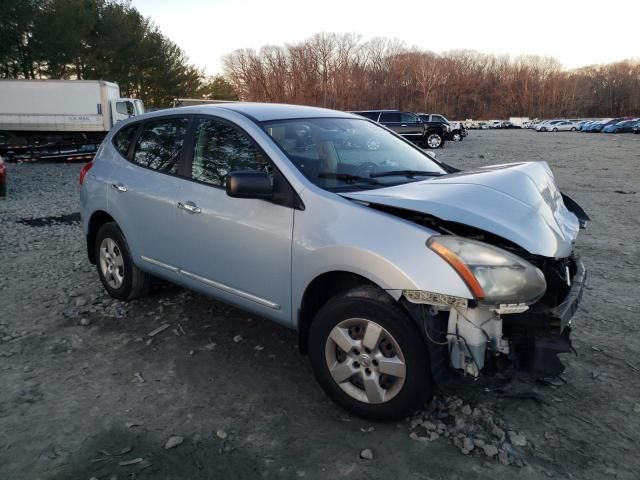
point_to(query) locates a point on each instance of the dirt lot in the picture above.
(83, 386)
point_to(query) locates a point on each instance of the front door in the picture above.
(237, 249)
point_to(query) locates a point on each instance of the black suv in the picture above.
(410, 126)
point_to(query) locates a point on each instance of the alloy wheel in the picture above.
(111, 263)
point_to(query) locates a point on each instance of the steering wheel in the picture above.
(366, 167)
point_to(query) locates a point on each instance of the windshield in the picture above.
(139, 107)
(347, 154)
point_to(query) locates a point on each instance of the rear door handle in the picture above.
(120, 187)
(189, 207)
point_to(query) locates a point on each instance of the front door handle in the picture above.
(118, 186)
(189, 207)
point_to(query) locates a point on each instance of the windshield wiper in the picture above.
(347, 178)
(406, 173)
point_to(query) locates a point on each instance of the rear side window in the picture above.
(389, 117)
(220, 148)
(123, 138)
(370, 115)
(160, 144)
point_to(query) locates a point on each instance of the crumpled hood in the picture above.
(519, 202)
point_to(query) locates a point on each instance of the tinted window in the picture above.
(220, 148)
(122, 139)
(408, 118)
(438, 119)
(389, 117)
(160, 144)
(370, 115)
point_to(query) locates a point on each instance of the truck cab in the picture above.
(124, 108)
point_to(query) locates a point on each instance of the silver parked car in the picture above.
(398, 271)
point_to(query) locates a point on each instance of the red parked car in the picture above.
(3, 178)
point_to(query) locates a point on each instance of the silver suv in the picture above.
(398, 271)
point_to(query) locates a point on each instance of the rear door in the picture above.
(236, 249)
(143, 191)
(412, 126)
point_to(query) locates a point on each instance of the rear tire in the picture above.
(434, 140)
(555, 129)
(118, 274)
(368, 356)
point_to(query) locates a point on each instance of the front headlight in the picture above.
(493, 275)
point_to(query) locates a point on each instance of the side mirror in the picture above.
(130, 110)
(249, 184)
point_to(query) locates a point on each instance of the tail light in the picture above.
(84, 171)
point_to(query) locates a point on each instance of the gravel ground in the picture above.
(87, 391)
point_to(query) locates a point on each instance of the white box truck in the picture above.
(520, 122)
(36, 115)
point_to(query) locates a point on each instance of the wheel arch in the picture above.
(97, 220)
(319, 291)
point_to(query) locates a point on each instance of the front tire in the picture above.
(456, 137)
(368, 356)
(118, 274)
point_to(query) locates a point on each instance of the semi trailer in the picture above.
(59, 119)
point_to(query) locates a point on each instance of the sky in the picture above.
(577, 33)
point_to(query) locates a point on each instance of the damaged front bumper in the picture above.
(478, 339)
(541, 333)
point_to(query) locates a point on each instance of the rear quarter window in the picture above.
(123, 138)
(159, 145)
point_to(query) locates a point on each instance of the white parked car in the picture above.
(560, 126)
(548, 125)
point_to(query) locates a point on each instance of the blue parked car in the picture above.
(625, 126)
(601, 126)
(590, 126)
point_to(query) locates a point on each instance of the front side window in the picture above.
(122, 139)
(408, 118)
(438, 119)
(220, 148)
(160, 144)
(124, 108)
(350, 154)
